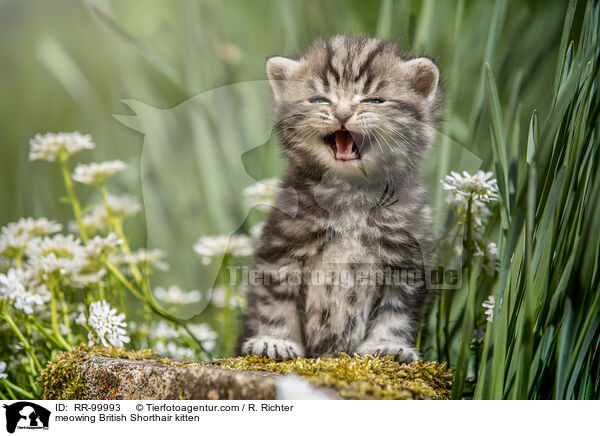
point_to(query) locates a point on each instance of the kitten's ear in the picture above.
(423, 75)
(280, 69)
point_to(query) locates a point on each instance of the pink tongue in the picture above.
(344, 143)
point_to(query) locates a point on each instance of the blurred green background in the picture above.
(191, 75)
(66, 65)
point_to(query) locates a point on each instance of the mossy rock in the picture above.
(113, 373)
(63, 377)
(360, 377)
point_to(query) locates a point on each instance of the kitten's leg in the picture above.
(274, 319)
(392, 327)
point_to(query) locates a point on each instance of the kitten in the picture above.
(355, 117)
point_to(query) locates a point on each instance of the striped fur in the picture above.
(356, 218)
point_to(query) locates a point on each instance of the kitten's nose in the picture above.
(343, 116)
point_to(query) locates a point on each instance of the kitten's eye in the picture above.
(321, 100)
(373, 100)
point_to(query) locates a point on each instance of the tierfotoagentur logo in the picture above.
(25, 415)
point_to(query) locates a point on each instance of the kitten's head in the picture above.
(353, 103)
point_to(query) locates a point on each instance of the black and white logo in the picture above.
(26, 415)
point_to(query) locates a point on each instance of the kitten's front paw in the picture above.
(401, 352)
(275, 348)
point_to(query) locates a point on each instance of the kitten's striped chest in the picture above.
(340, 291)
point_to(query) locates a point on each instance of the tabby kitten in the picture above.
(355, 117)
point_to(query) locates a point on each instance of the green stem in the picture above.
(23, 339)
(71, 193)
(113, 269)
(149, 301)
(65, 315)
(54, 314)
(440, 314)
(101, 291)
(13, 387)
(40, 328)
(469, 314)
(9, 391)
(227, 318)
(116, 225)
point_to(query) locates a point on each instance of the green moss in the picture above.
(360, 377)
(179, 363)
(62, 379)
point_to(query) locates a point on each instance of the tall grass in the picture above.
(522, 101)
(544, 340)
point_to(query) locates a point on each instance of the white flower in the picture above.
(478, 185)
(263, 194)
(96, 173)
(489, 251)
(205, 334)
(146, 258)
(60, 254)
(107, 324)
(480, 190)
(173, 351)
(15, 236)
(163, 330)
(95, 221)
(218, 295)
(292, 387)
(174, 295)
(479, 209)
(2, 369)
(81, 318)
(256, 231)
(489, 305)
(99, 245)
(123, 205)
(85, 279)
(17, 285)
(209, 247)
(49, 146)
(165, 336)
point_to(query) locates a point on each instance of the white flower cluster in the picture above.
(123, 206)
(480, 189)
(210, 247)
(174, 295)
(106, 326)
(15, 237)
(20, 288)
(51, 145)
(263, 194)
(147, 259)
(101, 245)
(96, 173)
(167, 341)
(218, 298)
(36, 257)
(58, 256)
(480, 185)
(2, 369)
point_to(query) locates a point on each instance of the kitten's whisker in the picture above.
(379, 129)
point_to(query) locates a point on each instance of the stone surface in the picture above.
(121, 379)
(96, 373)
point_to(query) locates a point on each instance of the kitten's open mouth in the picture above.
(343, 145)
